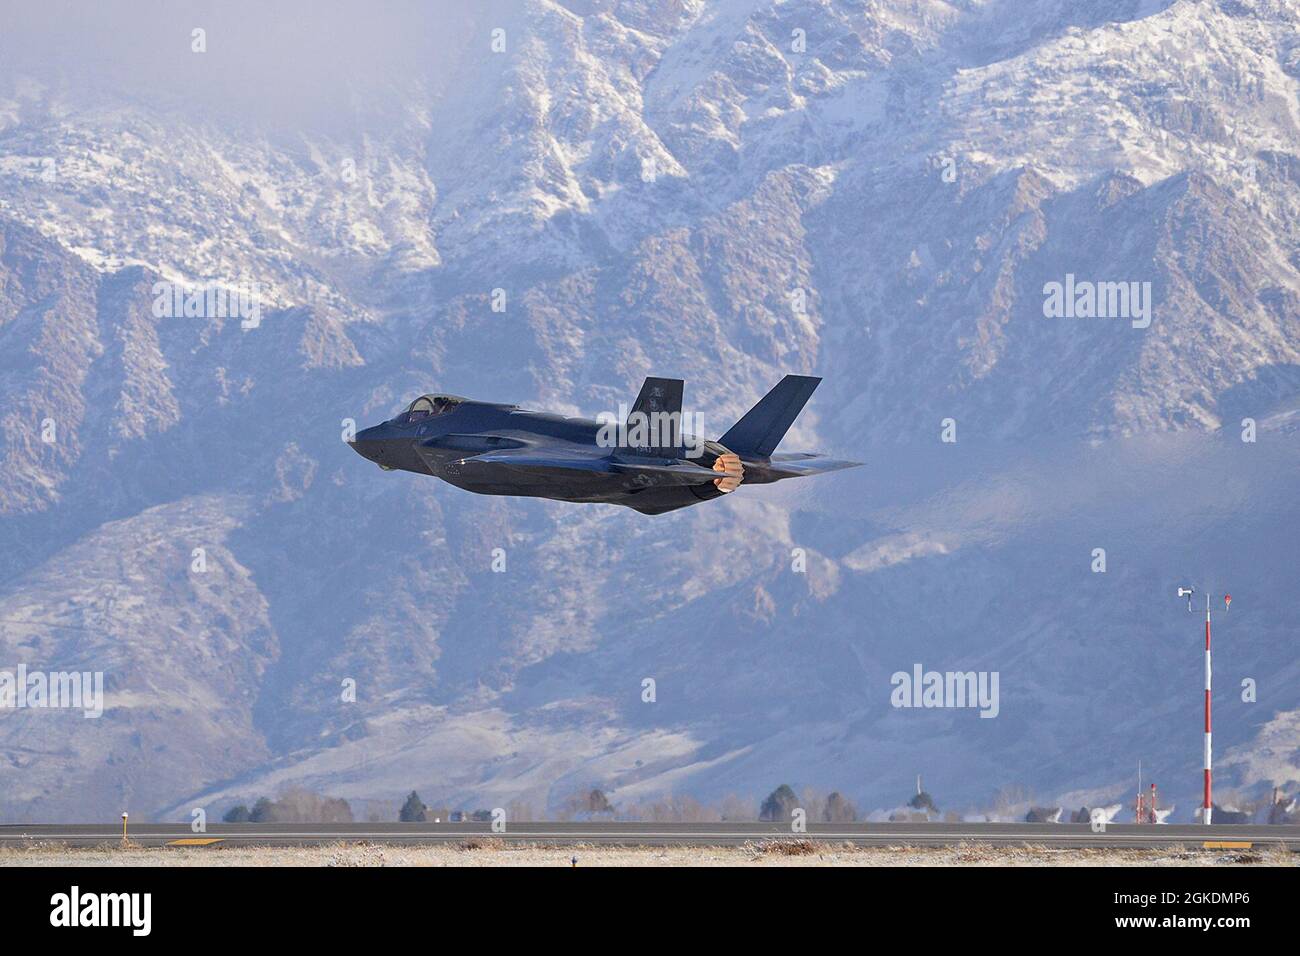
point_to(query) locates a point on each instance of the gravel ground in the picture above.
(782, 853)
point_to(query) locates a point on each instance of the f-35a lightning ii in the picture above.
(646, 462)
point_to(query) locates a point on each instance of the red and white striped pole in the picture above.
(1207, 808)
(1209, 805)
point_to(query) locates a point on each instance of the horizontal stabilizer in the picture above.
(796, 465)
(802, 463)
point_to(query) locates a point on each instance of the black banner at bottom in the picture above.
(335, 905)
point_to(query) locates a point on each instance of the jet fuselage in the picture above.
(495, 449)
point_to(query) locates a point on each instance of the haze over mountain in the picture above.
(874, 192)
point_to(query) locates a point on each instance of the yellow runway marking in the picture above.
(205, 841)
(1226, 845)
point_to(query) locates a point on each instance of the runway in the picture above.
(654, 834)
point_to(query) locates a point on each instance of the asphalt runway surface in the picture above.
(656, 834)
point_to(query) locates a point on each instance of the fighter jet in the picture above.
(645, 462)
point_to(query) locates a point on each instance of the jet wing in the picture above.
(802, 463)
(534, 460)
(550, 461)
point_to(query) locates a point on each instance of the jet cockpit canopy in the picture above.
(429, 406)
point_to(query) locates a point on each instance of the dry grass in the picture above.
(483, 843)
(495, 852)
(788, 847)
(1276, 854)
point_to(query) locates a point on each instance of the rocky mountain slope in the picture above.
(876, 192)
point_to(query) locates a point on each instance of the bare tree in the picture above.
(304, 806)
(520, 811)
(813, 802)
(737, 810)
(296, 805)
(838, 810)
(584, 804)
(1012, 801)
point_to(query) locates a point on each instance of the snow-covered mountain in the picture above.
(876, 192)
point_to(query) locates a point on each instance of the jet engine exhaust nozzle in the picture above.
(733, 472)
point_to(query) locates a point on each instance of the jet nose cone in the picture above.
(367, 443)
